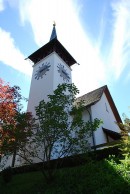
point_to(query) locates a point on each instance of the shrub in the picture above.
(7, 174)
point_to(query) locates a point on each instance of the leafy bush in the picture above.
(106, 152)
(71, 161)
(95, 177)
(7, 174)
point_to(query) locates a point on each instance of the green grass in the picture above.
(91, 178)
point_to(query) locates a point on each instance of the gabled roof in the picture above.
(94, 96)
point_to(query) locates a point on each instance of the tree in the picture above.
(15, 136)
(125, 143)
(15, 126)
(8, 104)
(125, 147)
(61, 130)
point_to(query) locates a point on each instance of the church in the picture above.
(52, 66)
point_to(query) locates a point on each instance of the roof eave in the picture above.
(112, 105)
(53, 45)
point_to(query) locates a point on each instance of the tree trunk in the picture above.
(13, 159)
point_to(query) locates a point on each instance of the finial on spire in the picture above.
(53, 34)
(54, 24)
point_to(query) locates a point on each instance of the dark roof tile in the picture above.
(92, 97)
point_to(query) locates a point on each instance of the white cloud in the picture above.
(120, 51)
(93, 71)
(1, 5)
(127, 78)
(11, 3)
(11, 55)
(41, 14)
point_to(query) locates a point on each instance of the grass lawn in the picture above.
(92, 178)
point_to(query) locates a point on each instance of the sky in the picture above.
(95, 32)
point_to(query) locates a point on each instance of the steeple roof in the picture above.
(51, 46)
(53, 34)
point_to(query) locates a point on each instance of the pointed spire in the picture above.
(53, 34)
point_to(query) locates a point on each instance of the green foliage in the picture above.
(95, 177)
(125, 145)
(61, 129)
(125, 130)
(121, 168)
(16, 136)
(105, 153)
(17, 133)
(7, 174)
(15, 125)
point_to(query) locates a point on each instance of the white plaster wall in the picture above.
(57, 79)
(41, 88)
(102, 110)
(5, 162)
(86, 116)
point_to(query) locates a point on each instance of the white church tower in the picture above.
(52, 66)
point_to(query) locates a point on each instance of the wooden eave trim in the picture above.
(112, 105)
(53, 45)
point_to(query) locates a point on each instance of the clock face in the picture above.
(63, 72)
(42, 70)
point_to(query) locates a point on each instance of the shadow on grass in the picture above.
(95, 177)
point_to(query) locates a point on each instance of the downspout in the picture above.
(93, 138)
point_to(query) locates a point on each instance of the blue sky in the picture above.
(95, 32)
